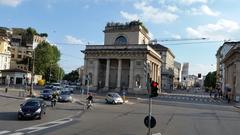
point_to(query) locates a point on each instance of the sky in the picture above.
(71, 24)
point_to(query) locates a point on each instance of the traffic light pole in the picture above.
(149, 114)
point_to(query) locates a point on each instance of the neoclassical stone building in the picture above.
(119, 63)
(232, 71)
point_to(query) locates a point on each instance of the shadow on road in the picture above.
(8, 116)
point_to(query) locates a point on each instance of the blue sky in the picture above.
(82, 22)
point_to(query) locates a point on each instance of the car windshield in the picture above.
(65, 93)
(32, 104)
(46, 91)
(115, 95)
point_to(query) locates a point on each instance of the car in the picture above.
(67, 87)
(32, 108)
(114, 98)
(65, 96)
(57, 89)
(46, 94)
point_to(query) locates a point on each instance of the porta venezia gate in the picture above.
(118, 76)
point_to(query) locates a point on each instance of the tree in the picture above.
(72, 76)
(46, 58)
(54, 73)
(210, 80)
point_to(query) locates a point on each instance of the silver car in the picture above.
(65, 96)
(114, 98)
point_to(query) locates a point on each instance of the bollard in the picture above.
(6, 90)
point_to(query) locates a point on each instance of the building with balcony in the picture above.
(22, 45)
(119, 63)
(232, 71)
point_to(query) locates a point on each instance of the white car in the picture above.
(113, 98)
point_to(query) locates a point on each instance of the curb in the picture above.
(8, 96)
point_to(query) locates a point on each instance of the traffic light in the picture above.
(154, 89)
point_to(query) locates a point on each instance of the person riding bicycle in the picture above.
(54, 99)
(89, 100)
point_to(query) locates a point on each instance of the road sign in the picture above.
(152, 122)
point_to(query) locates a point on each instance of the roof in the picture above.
(159, 47)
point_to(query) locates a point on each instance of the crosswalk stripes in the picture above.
(4, 132)
(191, 98)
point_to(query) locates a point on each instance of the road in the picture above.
(178, 116)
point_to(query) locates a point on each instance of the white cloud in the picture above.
(176, 36)
(128, 16)
(73, 40)
(189, 2)
(172, 8)
(12, 3)
(150, 13)
(223, 29)
(203, 10)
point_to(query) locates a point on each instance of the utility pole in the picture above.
(32, 76)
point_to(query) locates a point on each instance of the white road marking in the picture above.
(4, 132)
(42, 126)
(157, 134)
(17, 133)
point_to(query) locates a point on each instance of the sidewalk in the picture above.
(16, 93)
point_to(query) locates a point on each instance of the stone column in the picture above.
(107, 74)
(96, 73)
(131, 74)
(119, 73)
(84, 72)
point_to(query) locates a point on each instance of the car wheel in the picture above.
(106, 101)
(40, 116)
(113, 102)
(19, 117)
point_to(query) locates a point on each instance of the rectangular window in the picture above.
(19, 56)
(12, 55)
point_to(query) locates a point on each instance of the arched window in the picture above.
(121, 40)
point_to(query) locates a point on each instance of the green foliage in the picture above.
(210, 80)
(31, 31)
(72, 76)
(46, 58)
(54, 73)
(43, 34)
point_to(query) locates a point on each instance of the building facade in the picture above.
(167, 70)
(22, 46)
(221, 53)
(184, 76)
(177, 74)
(119, 63)
(232, 71)
(5, 54)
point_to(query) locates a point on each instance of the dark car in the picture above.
(46, 94)
(32, 108)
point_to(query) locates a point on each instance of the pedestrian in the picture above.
(229, 95)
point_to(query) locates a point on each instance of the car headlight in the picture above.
(20, 110)
(38, 110)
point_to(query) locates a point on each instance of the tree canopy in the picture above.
(72, 76)
(210, 80)
(46, 58)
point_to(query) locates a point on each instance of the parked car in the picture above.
(32, 108)
(46, 94)
(65, 96)
(113, 98)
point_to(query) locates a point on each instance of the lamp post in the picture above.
(32, 74)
